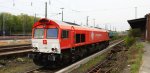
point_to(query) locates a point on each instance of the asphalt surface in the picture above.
(145, 68)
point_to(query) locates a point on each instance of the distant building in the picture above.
(143, 24)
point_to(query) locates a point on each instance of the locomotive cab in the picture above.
(45, 42)
(45, 37)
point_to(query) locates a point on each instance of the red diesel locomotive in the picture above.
(56, 42)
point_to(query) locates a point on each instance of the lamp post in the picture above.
(45, 9)
(94, 22)
(87, 19)
(62, 13)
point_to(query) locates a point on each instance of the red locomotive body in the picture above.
(55, 41)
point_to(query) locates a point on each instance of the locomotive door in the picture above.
(72, 36)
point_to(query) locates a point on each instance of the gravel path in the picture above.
(14, 42)
(145, 68)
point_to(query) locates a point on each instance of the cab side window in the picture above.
(65, 34)
(80, 38)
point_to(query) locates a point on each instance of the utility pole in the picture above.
(10, 30)
(74, 21)
(31, 4)
(87, 20)
(135, 12)
(13, 3)
(26, 25)
(45, 9)
(49, 2)
(35, 18)
(94, 22)
(3, 25)
(23, 26)
(114, 28)
(62, 14)
(106, 26)
(81, 23)
(110, 27)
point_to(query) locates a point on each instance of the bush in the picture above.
(134, 33)
(135, 57)
(129, 41)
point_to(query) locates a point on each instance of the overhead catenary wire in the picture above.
(69, 7)
(42, 14)
(80, 11)
(66, 6)
(22, 10)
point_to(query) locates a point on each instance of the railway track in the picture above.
(14, 37)
(8, 50)
(112, 64)
(33, 70)
(75, 65)
(97, 68)
(15, 49)
(42, 70)
(85, 60)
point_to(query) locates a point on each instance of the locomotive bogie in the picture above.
(44, 59)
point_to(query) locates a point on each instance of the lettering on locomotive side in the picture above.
(92, 35)
(98, 35)
(95, 34)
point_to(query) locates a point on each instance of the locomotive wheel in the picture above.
(66, 59)
(41, 60)
(37, 60)
(78, 53)
(84, 52)
(100, 47)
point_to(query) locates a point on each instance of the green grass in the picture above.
(17, 65)
(17, 68)
(83, 68)
(135, 54)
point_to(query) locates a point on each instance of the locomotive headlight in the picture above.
(54, 49)
(35, 49)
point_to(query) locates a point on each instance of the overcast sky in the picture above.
(110, 13)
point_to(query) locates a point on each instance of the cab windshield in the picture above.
(39, 33)
(52, 33)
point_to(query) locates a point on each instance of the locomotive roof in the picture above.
(71, 23)
(76, 26)
(67, 25)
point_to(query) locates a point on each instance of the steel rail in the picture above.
(85, 60)
(15, 49)
(116, 65)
